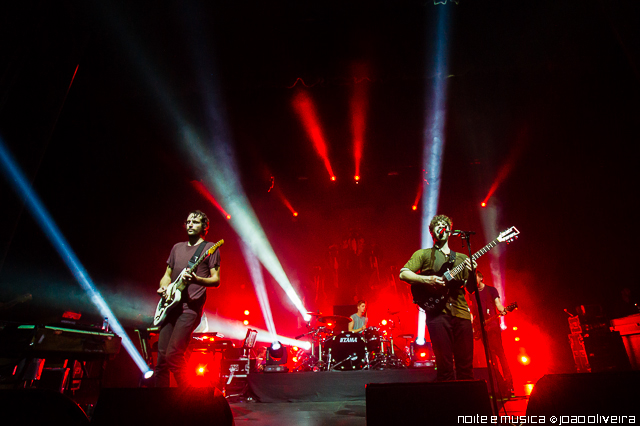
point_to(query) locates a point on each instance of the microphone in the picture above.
(443, 230)
(458, 232)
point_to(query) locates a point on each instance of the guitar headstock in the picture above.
(214, 247)
(511, 307)
(509, 235)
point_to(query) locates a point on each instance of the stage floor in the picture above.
(334, 413)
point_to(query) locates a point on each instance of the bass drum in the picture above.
(347, 351)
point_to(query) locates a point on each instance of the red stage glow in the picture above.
(414, 207)
(483, 204)
(423, 354)
(356, 177)
(524, 360)
(383, 322)
(517, 339)
(306, 110)
(246, 312)
(245, 322)
(515, 328)
(206, 194)
(528, 388)
(295, 214)
(333, 178)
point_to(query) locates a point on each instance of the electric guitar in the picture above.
(173, 293)
(432, 299)
(477, 333)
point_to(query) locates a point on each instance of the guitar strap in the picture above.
(197, 254)
(452, 257)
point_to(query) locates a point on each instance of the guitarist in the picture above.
(450, 328)
(490, 299)
(176, 329)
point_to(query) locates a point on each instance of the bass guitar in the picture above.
(173, 293)
(432, 299)
(477, 334)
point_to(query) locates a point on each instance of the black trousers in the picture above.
(452, 341)
(175, 335)
(496, 350)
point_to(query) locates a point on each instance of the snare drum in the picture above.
(347, 351)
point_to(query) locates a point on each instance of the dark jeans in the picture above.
(452, 339)
(175, 335)
(494, 336)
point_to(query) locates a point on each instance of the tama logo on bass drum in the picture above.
(348, 339)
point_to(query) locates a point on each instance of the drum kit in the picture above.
(333, 350)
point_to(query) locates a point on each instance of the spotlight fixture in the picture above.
(276, 358)
(333, 178)
(422, 355)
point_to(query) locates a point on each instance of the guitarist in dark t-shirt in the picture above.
(490, 299)
(182, 319)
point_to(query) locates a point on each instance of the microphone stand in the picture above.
(466, 236)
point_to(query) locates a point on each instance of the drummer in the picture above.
(359, 320)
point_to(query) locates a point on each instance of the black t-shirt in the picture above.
(488, 295)
(179, 259)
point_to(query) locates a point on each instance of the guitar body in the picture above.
(477, 332)
(172, 296)
(432, 299)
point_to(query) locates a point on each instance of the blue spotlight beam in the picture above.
(214, 158)
(37, 209)
(261, 290)
(434, 141)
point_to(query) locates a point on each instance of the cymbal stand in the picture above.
(314, 362)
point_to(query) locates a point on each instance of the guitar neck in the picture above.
(455, 271)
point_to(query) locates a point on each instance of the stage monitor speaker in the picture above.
(586, 394)
(39, 407)
(426, 403)
(162, 406)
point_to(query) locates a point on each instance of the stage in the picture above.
(326, 386)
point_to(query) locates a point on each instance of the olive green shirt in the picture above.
(429, 262)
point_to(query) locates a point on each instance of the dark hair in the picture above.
(203, 217)
(361, 302)
(439, 218)
(479, 274)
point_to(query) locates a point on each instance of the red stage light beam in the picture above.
(206, 194)
(358, 114)
(418, 196)
(284, 200)
(306, 111)
(516, 152)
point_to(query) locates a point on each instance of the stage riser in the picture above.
(326, 386)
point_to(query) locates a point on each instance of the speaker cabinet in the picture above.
(39, 407)
(426, 403)
(162, 406)
(586, 394)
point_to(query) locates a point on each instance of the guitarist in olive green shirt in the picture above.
(448, 319)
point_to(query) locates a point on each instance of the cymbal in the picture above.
(336, 319)
(314, 314)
